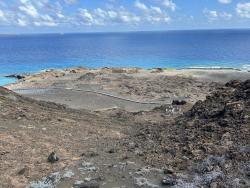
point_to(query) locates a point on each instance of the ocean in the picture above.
(169, 49)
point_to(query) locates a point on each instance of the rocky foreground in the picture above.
(207, 146)
(175, 145)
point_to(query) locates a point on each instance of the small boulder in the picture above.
(112, 150)
(53, 158)
(24, 171)
(179, 103)
(235, 109)
(168, 181)
(246, 84)
(233, 83)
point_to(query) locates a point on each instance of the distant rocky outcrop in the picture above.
(16, 76)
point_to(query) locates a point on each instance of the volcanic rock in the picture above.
(177, 102)
(53, 158)
(209, 143)
(169, 181)
(17, 76)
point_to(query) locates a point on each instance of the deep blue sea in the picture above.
(170, 49)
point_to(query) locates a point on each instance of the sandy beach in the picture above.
(126, 127)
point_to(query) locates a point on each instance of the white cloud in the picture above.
(152, 14)
(143, 7)
(39, 13)
(100, 16)
(112, 14)
(225, 1)
(210, 14)
(2, 16)
(86, 17)
(44, 23)
(158, 19)
(225, 15)
(21, 22)
(243, 10)
(29, 9)
(156, 9)
(125, 18)
(45, 20)
(214, 15)
(140, 6)
(51, 13)
(7, 17)
(101, 13)
(60, 15)
(169, 4)
(118, 16)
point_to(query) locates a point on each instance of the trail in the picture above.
(86, 91)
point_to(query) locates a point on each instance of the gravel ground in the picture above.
(100, 144)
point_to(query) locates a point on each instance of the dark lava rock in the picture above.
(179, 103)
(235, 109)
(233, 83)
(168, 181)
(208, 143)
(224, 103)
(53, 158)
(22, 171)
(207, 109)
(89, 185)
(246, 84)
(17, 76)
(111, 151)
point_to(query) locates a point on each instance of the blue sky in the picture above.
(42, 16)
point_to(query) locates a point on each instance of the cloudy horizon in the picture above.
(49, 16)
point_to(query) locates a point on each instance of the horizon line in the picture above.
(129, 31)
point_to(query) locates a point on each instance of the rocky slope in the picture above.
(205, 145)
(209, 145)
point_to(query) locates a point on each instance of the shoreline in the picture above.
(18, 75)
(134, 89)
(212, 68)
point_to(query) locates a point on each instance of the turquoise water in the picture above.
(172, 49)
(5, 81)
